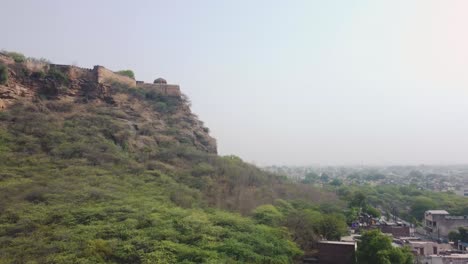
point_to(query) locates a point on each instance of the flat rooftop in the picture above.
(452, 256)
(437, 212)
(337, 242)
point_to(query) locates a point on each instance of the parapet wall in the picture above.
(108, 77)
(100, 74)
(165, 89)
(75, 72)
(36, 66)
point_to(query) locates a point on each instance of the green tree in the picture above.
(324, 177)
(336, 182)
(359, 199)
(332, 226)
(267, 215)
(420, 205)
(372, 211)
(352, 214)
(376, 248)
(310, 177)
(461, 234)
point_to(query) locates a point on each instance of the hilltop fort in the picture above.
(30, 73)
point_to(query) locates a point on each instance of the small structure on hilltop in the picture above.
(160, 81)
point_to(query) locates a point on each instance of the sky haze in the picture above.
(282, 82)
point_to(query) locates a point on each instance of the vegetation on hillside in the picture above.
(407, 202)
(95, 183)
(16, 56)
(128, 73)
(3, 74)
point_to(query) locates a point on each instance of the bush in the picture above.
(3, 74)
(267, 214)
(59, 76)
(16, 56)
(128, 73)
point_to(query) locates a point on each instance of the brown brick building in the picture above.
(336, 252)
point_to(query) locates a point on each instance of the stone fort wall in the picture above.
(75, 72)
(103, 75)
(108, 77)
(166, 89)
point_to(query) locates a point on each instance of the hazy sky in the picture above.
(282, 82)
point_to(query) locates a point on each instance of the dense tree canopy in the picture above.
(376, 248)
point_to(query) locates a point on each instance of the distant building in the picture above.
(463, 191)
(445, 259)
(438, 223)
(336, 252)
(426, 248)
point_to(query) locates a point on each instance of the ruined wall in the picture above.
(107, 76)
(74, 72)
(165, 89)
(36, 66)
(82, 73)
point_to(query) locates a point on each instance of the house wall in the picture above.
(396, 231)
(339, 253)
(427, 248)
(440, 225)
(450, 259)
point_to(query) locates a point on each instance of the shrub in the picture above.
(38, 75)
(39, 60)
(59, 76)
(16, 56)
(128, 73)
(3, 74)
(59, 106)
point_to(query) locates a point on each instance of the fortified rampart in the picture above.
(166, 89)
(75, 72)
(105, 76)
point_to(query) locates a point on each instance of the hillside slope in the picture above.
(93, 172)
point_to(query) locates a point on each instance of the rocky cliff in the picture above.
(153, 119)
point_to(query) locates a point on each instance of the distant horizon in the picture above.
(335, 82)
(367, 165)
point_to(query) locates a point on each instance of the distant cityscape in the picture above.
(434, 178)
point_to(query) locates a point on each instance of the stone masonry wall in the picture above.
(165, 89)
(100, 74)
(107, 76)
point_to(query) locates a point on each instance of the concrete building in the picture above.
(438, 223)
(426, 248)
(336, 252)
(445, 259)
(463, 191)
